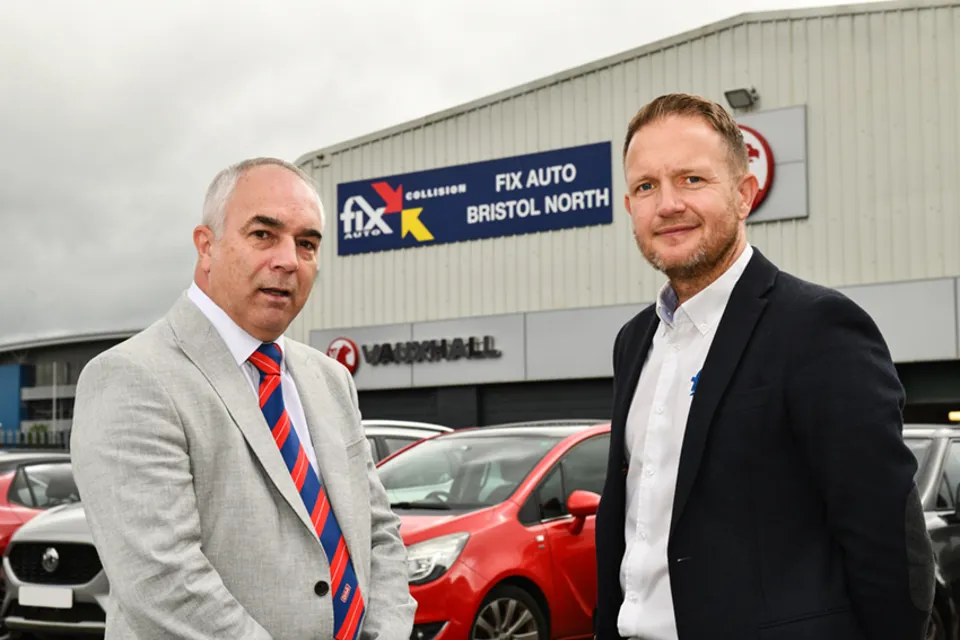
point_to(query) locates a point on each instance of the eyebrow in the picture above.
(274, 223)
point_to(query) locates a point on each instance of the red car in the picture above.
(499, 527)
(30, 483)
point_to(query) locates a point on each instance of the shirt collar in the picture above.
(240, 343)
(705, 309)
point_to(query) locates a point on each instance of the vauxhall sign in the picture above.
(346, 352)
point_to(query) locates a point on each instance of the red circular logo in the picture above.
(344, 351)
(761, 162)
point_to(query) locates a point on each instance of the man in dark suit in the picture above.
(758, 485)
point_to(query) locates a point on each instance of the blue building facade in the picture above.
(11, 405)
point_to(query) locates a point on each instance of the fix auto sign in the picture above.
(545, 191)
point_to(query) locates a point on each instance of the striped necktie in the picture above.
(348, 607)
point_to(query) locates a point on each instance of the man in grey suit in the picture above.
(224, 471)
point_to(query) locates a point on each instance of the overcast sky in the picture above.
(115, 114)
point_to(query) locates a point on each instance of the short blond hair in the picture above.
(685, 104)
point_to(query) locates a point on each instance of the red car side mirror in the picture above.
(580, 505)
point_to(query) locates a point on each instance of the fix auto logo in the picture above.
(361, 219)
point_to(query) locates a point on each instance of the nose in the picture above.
(285, 255)
(670, 203)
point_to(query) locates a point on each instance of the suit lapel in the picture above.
(206, 349)
(636, 348)
(321, 413)
(733, 333)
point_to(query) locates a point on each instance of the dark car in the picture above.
(937, 448)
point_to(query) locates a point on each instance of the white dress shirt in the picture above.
(242, 345)
(655, 427)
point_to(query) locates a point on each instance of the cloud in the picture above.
(116, 115)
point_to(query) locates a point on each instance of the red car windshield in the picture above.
(462, 471)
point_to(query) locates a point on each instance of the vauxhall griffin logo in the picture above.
(360, 219)
(761, 162)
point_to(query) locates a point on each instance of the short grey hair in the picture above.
(221, 190)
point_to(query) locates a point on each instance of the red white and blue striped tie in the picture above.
(348, 607)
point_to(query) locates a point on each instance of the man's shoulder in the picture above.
(139, 350)
(133, 367)
(806, 300)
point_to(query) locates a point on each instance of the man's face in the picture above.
(261, 270)
(685, 199)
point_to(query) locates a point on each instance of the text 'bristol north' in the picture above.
(533, 206)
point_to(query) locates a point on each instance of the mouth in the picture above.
(276, 294)
(672, 232)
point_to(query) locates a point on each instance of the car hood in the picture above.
(63, 524)
(413, 526)
(417, 526)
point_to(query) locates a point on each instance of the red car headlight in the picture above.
(430, 559)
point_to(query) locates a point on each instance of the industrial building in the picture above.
(478, 262)
(500, 223)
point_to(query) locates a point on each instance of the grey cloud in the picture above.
(117, 113)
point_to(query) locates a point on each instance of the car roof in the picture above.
(407, 432)
(405, 424)
(920, 430)
(10, 458)
(535, 428)
(15, 455)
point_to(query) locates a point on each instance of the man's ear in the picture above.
(203, 240)
(748, 189)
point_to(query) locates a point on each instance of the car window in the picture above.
(20, 491)
(373, 448)
(949, 477)
(585, 465)
(462, 472)
(551, 496)
(46, 485)
(392, 444)
(920, 448)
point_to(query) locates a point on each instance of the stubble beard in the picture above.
(709, 254)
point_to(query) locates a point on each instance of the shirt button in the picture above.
(650, 471)
(321, 588)
(676, 347)
(659, 409)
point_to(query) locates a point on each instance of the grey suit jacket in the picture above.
(201, 531)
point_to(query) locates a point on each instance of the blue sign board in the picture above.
(558, 189)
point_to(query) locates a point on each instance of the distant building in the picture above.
(38, 380)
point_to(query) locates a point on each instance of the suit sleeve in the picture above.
(390, 607)
(132, 468)
(845, 403)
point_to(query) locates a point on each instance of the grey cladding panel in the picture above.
(574, 344)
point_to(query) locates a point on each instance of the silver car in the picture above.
(54, 579)
(55, 582)
(386, 437)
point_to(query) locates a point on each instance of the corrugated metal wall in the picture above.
(881, 85)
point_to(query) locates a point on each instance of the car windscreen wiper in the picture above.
(421, 504)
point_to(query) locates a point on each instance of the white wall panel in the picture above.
(879, 81)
